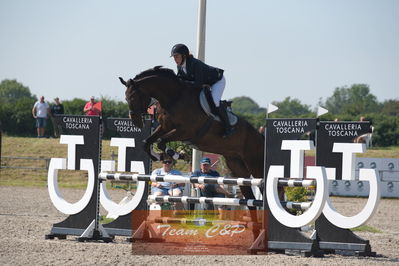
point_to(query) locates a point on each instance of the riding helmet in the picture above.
(179, 49)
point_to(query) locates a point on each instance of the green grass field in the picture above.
(51, 148)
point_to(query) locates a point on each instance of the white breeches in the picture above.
(217, 90)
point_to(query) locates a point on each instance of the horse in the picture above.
(181, 118)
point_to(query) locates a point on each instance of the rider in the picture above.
(199, 73)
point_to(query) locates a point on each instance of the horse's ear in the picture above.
(123, 82)
(157, 67)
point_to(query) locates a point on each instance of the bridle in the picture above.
(137, 109)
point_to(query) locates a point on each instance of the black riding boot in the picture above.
(228, 129)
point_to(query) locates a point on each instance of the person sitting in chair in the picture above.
(166, 188)
(209, 190)
(199, 74)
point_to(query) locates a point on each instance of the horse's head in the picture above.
(158, 82)
(137, 101)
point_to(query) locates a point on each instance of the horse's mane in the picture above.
(164, 72)
(158, 71)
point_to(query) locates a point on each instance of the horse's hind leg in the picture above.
(238, 169)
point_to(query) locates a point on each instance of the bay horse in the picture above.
(181, 118)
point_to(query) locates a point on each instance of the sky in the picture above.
(269, 49)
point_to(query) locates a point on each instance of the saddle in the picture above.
(209, 107)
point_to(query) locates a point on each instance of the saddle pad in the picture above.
(233, 119)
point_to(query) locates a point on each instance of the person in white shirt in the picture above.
(40, 112)
(167, 188)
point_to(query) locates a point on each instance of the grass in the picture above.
(382, 152)
(366, 228)
(51, 148)
(105, 220)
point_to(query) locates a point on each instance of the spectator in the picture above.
(209, 190)
(365, 138)
(167, 188)
(92, 107)
(40, 112)
(262, 130)
(56, 109)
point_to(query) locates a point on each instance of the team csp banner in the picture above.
(180, 232)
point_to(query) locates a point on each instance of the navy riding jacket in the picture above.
(199, 73)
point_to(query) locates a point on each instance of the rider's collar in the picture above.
(184, 66)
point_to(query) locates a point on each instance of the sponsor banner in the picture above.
(166, 232)
(131, 139)
(330, 133)
(279, 130)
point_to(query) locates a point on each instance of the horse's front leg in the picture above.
(159, 131)
(165, 138)
(172, 135)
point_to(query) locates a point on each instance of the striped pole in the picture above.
(202, 200)
(294, 182)
(198, 221)
(225, 201)
(182, 179)
(296, 205)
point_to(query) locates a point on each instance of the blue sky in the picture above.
(269, 49)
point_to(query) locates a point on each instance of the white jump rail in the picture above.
(224, 201)
(203, 180)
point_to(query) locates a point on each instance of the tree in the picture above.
(12, 90)
(21, 118)
(246, 105)
(256, 120)
(292, 108)
(355, 100)
(113, 108)
(386, 131)
(390, 107)
(16, 103)
(74, 106)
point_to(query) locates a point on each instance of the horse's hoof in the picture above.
(153, 158)
(170, 152)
